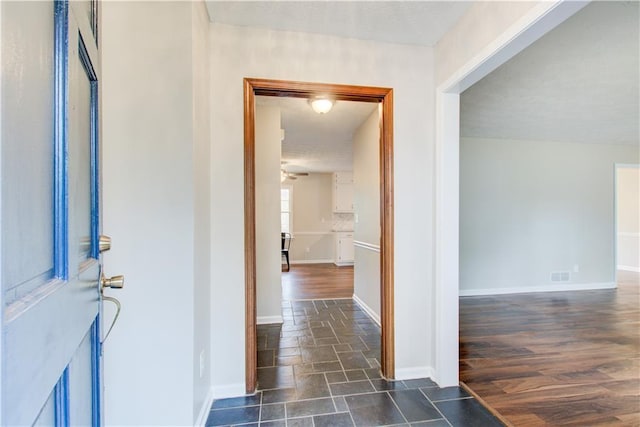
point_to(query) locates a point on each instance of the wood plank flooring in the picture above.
(561, 358)
(317, 281)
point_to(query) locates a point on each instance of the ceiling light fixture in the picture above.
(321, 104)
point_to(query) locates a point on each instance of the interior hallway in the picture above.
(321, 367)
(560, 358)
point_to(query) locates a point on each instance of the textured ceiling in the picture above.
(409, 22)
(579, 83)
(318, 142)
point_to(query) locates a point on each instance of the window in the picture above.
(285, 209)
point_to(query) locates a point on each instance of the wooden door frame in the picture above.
(383, 96)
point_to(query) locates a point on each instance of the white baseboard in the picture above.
(310, 261)
(628, 268)
(267, 320)
(414, 373)
(543, 288)
(367, 310)
(343, 264)
(228, 390)
(204, 411)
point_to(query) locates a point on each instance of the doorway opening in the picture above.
(382, 96)
(627, 225)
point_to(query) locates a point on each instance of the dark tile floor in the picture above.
(321, 368)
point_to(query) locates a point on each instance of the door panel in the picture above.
(27, 149)
(50, 335)
(80, 385)
(47, 414)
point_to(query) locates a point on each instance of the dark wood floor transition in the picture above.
(560, 358)
(317, 281)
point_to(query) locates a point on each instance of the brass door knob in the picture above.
(104, 243)
(115, 282)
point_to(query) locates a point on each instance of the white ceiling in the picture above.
(579, 83)
(409, 22)
(323, 143)
(318, 142)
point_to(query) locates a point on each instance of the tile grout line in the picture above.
(436, 408)
(397, 407)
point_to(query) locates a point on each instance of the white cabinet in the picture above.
(344, 248)
(343, 192)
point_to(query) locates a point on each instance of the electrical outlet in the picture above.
(201, 363)
(307, 250)
(576, 268)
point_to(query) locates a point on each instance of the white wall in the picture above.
(312, 218)
(154, 131)
(366, 189)
(238, 52)
(2, 303)
(482, 24)
(202, 205)
(628, 218)
(267, 164)
(529, 208)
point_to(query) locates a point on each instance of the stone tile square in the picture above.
(374, 409)
(414, 405)
(420, 383)
(356, 375)
(276, 377)
(336, 377)
(273, 411)
(435, 423)
(265, 358)
(288, 351)
(333, 420)
(310, 386)
(373, 373)
(323, 332)
(308, 341)
(359, 346)
(467, 413)
(382, 385)
(303, 369)
(242, 415)
(233, 402)
(327, 366)
(277, 423)
(341, 404)
(318, 354)
(261, 342)
(288, 360)
(304, 408)
(342, 347)
(327, 341)
(436, 394)
(287, 343)
(278, 395)
(373, 363)
(355, 387)
(300, 422)
(291, 334)
(353, 360)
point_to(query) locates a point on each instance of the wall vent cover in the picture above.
(560, 276)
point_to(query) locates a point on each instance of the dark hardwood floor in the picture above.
(551, 359)
(317, 281)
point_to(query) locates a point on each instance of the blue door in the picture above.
(50, 213)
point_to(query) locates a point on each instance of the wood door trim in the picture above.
(384, 96)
